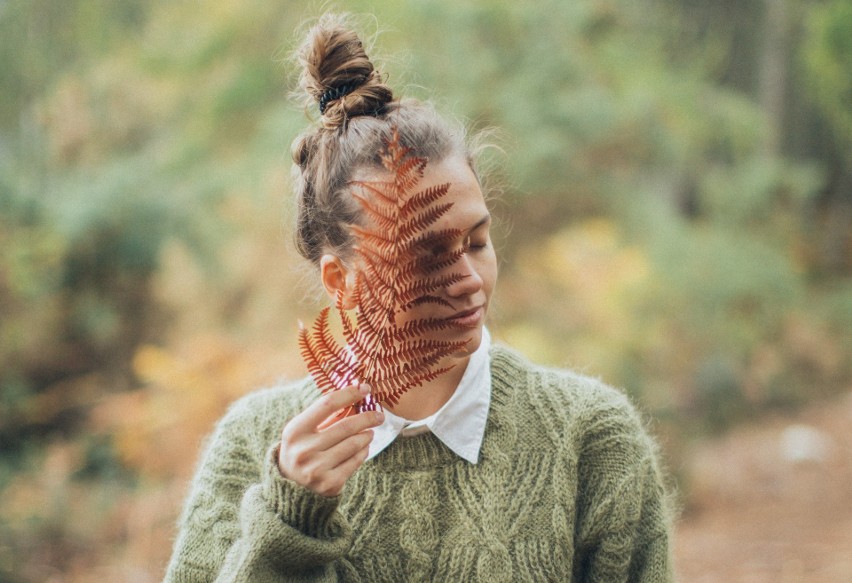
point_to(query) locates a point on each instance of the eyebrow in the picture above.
(483, 221)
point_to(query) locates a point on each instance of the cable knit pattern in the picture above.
(567, 489)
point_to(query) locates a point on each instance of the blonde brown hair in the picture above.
(357, 119)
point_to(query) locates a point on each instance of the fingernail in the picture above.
(379, 416)
(364, 389)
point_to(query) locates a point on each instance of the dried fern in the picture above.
(398, 271)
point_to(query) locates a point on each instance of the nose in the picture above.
(470, 283)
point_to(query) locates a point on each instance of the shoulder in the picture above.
(567, 404)
(602, 436)
(582, 394)
(281, 401)
(264, 412)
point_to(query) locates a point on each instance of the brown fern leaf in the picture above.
(431, 263)
(414, 226)
(432, 241)
(420, 327)
(423, 199)
(328, 364)
(381, 214)
(427, 299)
(402, 264)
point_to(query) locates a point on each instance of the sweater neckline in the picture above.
(425, 451)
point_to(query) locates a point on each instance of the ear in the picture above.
(337, 278)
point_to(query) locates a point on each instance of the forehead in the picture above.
(464, 191)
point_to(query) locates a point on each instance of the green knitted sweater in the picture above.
(567, 488)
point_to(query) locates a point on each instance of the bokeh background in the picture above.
(674, 191)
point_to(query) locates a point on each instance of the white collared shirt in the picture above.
(460, 423)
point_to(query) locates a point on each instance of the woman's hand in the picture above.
(322, 457)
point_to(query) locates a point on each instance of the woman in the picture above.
(499, 470)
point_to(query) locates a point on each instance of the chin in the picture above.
(474, 341)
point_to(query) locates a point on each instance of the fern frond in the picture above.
(414, 227)
(432, 240)
(408, 173)
(419, 327)
(429, 263)
(380, 214)
(424, 198)
(427, 285)
(386, 192)
(424, 300)
(377, 239)
(402, 265)
(391, 395)
(330, 369)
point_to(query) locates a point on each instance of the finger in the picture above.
(333, 482)
(349, 447)
(335, 417)
(347, 427)
(330, 403)
(348, 466)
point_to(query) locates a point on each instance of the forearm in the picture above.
(633, 542)
(293, 538)
(244, 522)
(625, 516)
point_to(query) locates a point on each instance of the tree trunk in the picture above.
(772, 72)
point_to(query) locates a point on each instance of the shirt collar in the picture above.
(460, 423)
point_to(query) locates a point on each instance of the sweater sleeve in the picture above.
(244, 522)
(623, 518)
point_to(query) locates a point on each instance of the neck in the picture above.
(420, 402)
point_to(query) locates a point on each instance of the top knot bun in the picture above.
(337, 74)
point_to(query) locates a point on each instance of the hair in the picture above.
(359, 114)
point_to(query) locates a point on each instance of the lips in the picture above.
(467, 318)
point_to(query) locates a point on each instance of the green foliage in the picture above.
(111, 156)
(827, 55)
(42, 39)
(755, 189)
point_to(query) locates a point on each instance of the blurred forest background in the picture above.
(675, 217)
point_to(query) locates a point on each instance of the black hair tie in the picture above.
(336, 93)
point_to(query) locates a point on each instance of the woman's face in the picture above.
(468, 299)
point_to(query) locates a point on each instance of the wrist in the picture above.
(304, 509)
